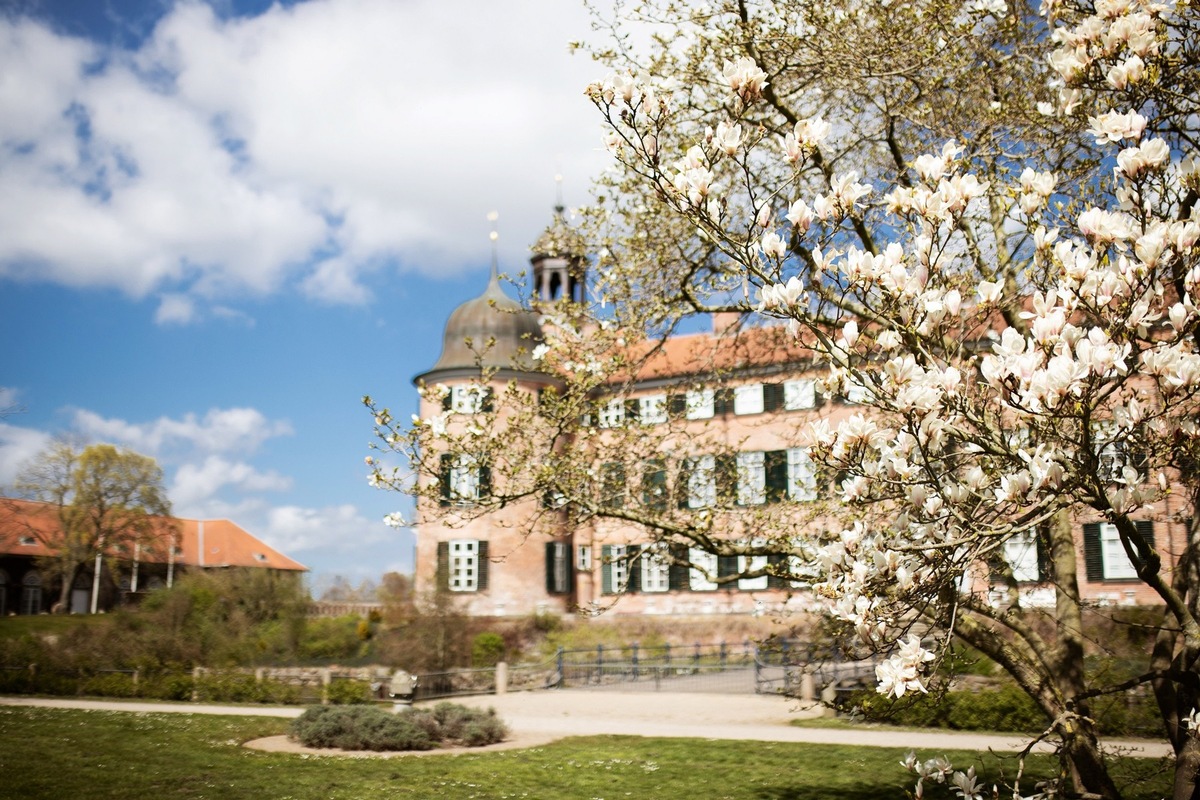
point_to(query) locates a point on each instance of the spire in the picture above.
(494, 236)
(559, 208)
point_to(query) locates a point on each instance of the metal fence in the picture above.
(720, 668)
(794, 669)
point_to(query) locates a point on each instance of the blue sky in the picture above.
(223, 223)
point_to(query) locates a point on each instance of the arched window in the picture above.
(31, 593)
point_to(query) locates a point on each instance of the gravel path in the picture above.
(536, 718)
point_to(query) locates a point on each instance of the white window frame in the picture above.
(656, 571)
(1117, 566)
(802, 475)
(748, 563)
(799, 394)
(751, 478)
(583, 558)
(1113, 454)
(700, 403)
(702, 482)
(856, 393)
(463, 565)
(748, 399)
(619, 569)
(612, 413)
(1020, 551)
(652, 409)
(467, 399)
(704, 562)
(464, 479)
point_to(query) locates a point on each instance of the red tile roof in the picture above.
(25, 526)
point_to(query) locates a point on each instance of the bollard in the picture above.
(501, 677)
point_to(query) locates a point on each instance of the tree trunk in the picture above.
(1187, 771)
(1081, 747)
(68, 572)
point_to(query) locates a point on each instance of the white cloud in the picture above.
(295, 528)
(218, 431)
(17, 446)
(194, 485)
(175, 309)
(307, 146)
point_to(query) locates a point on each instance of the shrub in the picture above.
(372, 728)
(348, 692)
(359, 728)
(487, 650)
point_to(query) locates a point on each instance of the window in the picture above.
(799, 394)
(1112, 452)
(801, 475)
(656, 572)
(468, 399)
(701, 472)
(1021, 553)
(28, 541)
(856, 393)
(1104, 554)
(583, 558)
(654, 484)
(702, 574)
(700, 403)
(612, 485)
(612, 413)
(751, 478)
(753, 564)
(748, 399)
(615, 569)
(464, 480)
(558, 568)
(463, 565)
(652, 409)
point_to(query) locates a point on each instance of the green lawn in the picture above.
(51, 753)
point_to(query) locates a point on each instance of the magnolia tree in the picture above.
(980, 216)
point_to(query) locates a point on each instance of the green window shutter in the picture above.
(633, 569)
(777, 564)
(1093, 556)
(677, 405)
(632, 409)
(725, 465)
(772, 396)
(654, 484)
(679, 578)
(446, 461)
(1145, 529)
(558, 568)
(447, 401)
(722, 401)
(488, 403)
(606, 571)
(1043, 555)
(612, 485)
(443, 566)
(481, 565)
(727, 566)
(776, 468)
(485, 481)
(682, 477)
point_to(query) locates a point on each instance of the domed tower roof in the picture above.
(492, 316)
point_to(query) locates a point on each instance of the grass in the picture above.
(51, 753)
(20, 625)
